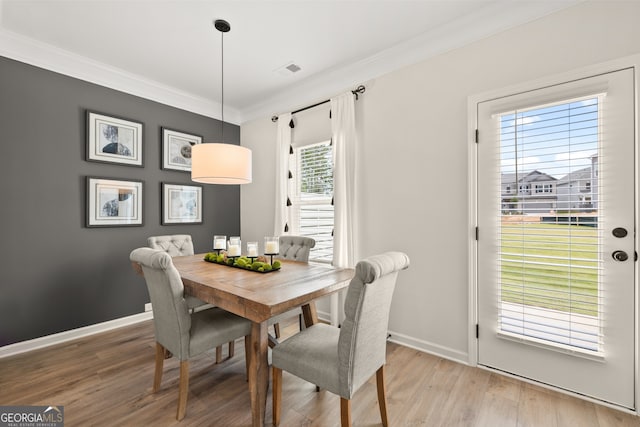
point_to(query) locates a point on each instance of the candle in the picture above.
(234, 250)
(252, 249)
(219, 242)
(271, 245)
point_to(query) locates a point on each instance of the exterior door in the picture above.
(555, 251)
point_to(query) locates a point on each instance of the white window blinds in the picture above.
(312, 202)
(550, 257)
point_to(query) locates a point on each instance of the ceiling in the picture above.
(168, 50)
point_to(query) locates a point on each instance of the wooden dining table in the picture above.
(259, 297)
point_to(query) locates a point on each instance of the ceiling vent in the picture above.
(288, 69)
(293, 68)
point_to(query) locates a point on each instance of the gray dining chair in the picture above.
(184, 333)
(182, 245)
(342, 359)
(176, 245)
(294, 248)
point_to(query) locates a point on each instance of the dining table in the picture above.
(258, 297)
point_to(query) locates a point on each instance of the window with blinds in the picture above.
(312, 203)
(550, 258)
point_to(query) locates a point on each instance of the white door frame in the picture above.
(472, 123)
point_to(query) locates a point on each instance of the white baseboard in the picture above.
(61, 337)
(416, 344)
(429, 347)
(324, 316)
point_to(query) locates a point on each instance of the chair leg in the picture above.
(276, 329)
(218, 354)
(247, 353)
(345, 412)
(232, 348)
(184, 389)
(277, 394)
(382, 400)
(157, 377)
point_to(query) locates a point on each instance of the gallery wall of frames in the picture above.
(118, 203)
(88, 174)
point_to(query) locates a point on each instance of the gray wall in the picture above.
(56, 273)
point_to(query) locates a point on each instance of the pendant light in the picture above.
(220, 163)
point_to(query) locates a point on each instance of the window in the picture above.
(544, 188)
(312, 197)
(549, 265)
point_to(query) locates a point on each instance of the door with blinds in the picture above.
(556, 229)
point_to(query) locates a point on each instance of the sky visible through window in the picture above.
(554, 139)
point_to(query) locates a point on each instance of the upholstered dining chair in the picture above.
(182, 245)
(295, 248)
(185, 334)
(342, 359)
(176, 245)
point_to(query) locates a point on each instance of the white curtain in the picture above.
(282, 214)
(345, 144)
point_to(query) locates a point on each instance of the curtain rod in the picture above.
(359, 90)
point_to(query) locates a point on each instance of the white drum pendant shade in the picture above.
(220, 164)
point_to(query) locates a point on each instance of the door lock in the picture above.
(619, 232)
(620, 255)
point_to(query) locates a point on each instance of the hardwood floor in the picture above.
(106, 380)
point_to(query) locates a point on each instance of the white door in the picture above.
(556, 198)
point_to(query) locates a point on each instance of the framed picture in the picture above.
(176, 149)
(181, 204)
(113, 140)
(113, 203)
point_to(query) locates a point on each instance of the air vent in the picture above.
(293, 68)
(288, 69)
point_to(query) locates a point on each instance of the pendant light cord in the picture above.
(222, 26)
(222, 85)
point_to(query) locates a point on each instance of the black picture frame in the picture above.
(181, 203)
(113, 139)
(176, 149)
(113, 202)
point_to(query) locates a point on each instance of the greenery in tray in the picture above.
(259, 264)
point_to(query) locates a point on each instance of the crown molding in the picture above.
(492, 19)
(33, 52)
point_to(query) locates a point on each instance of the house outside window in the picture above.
(312, 207)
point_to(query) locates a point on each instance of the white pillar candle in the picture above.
(220, 242)
(252, 249)
(271, 248)
(234, 250)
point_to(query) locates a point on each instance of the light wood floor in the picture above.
(105, 380)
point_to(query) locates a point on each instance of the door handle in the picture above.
(620, 256)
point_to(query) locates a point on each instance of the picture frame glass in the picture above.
(176, 149)
(113, 203)
(114, 140)
(181, 204)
